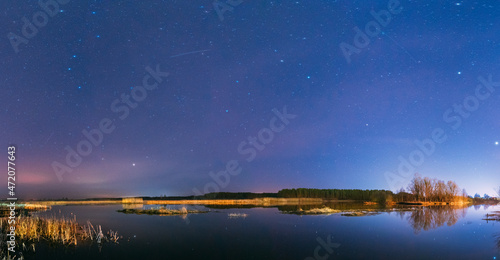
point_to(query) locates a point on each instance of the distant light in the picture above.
(69, 68)
(133, 164)
(496, 143)
(308, 77)
(459, 72)
(98, 36)
(79, 87)
(74, 56)
(227, 110)
(93, 12)
(458, 3)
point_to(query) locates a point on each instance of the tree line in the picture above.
(340, 194)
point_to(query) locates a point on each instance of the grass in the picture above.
(162, 211)
(53, 231)
(62, 231)
(360, 213)
(79, 202)
(315, 211)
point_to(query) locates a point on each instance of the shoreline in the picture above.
(266, 201)
(256, 202)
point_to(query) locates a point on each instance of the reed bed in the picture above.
(162, 211)
(36, 207)
(314, 211)
(63, 231)
(54, 231)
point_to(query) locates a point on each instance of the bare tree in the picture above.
(440, 190)
(453, 190)
(416, 186)
(428, 189)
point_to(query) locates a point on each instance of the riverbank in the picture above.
(255, 202)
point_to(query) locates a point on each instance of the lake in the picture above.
(267, 233)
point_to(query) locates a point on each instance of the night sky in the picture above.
(284, 94)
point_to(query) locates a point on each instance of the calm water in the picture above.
(267, 233)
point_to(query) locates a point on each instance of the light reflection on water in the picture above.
(267, 233)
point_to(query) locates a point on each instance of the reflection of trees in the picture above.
(426, 218)
(497, 239)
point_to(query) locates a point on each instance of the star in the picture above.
(496, 143)
(133, 164)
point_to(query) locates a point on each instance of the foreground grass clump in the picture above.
(61, 231)
(161, 211)
(54, 231)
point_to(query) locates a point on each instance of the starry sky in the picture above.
(259, 95)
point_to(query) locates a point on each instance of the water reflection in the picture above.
(133, 206)
(426, 218)
(497, 240)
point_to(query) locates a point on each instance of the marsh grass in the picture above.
(52, 231)
(314, 211)
(61, 231)
(162, 211)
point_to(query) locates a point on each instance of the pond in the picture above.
(269, 233)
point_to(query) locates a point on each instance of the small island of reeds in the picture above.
(314, 211)
(495, 216)
(162, 211)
